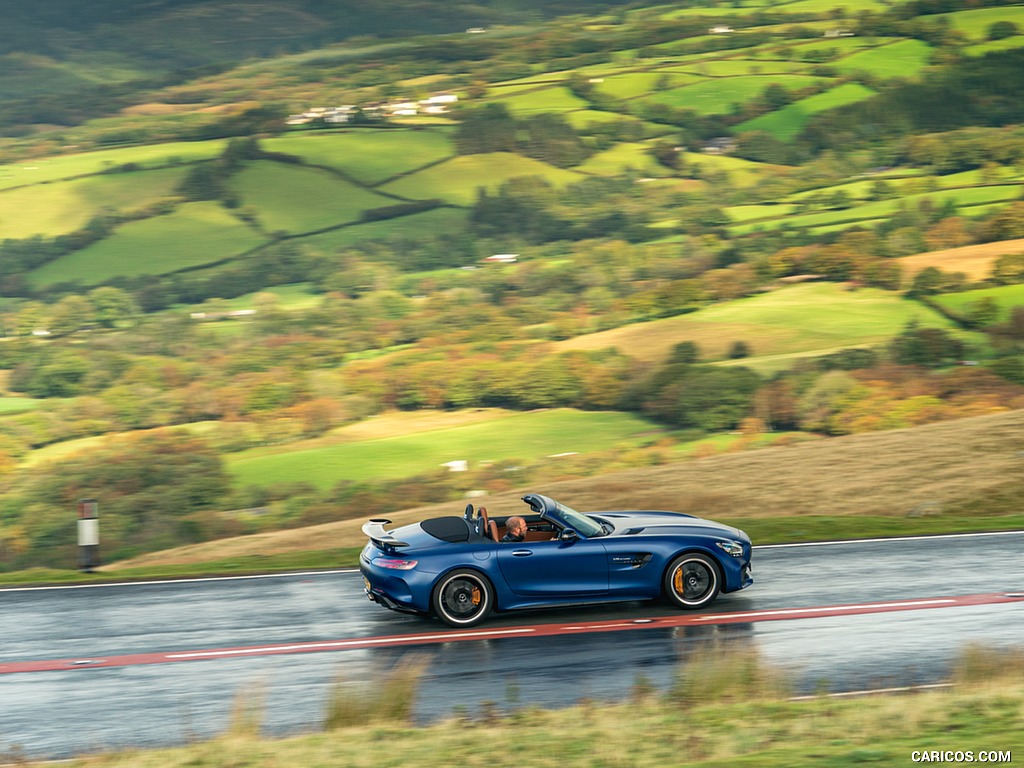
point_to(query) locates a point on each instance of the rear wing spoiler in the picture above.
(374, 529)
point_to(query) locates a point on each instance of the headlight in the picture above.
(734, 548)
(393, 562)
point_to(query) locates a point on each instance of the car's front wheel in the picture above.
(692, 580)
(462, 598)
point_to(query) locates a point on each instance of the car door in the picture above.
(553, 569)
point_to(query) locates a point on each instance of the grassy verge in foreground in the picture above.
(783, 530)
(724, 708)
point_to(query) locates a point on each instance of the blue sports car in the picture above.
(459, 568)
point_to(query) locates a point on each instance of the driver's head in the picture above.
(516, 526)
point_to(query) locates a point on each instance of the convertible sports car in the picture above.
(458, 569)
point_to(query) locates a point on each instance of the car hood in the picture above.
(633, 523)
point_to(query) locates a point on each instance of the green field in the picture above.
(787, 122)
(520, 436)
(368, 156)
(718, 96)
(65, 206)
(70, 166)
(295, 200)
(438, 221)
(195, 234)
(741, 172)
(534, 102)
(812, 318)
(1006, 297)
(457, 180)
(903, 59)
(965, 198)
(616, 160)
(1017, 41)
(633, 84)
(739, 67)
(975, 23)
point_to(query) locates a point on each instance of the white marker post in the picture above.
(88, 535)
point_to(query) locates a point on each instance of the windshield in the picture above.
(583, 525)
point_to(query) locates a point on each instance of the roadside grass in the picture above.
(65, 206)
(803, 318)
(295, 200)
(193, 235)
(369, 156)
(457, 180)
(727, 706)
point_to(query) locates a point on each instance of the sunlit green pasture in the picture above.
(554, 99)
(583, 119)
(368, 156)
(787, 122)
(799, 319)
(295, 199)
(194, 234)
(739, 67)
(824, 6)
(1006, 298)
(457, 180)
(617, 159)
(526, 436)
(438, 221)
(1007, 43)
(65, 206)
(842, 46)
(718, 96)
(44, 169)
(975, 22)
(13, 404)
(741, 172)
(633, 84)
(741, 213)
(961, 198)
(903, 59)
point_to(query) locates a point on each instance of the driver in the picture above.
(515, 529)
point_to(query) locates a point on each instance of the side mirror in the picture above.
(568, 534)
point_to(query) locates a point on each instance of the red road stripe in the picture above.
(536, 630)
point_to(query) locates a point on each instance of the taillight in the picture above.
(393, 562)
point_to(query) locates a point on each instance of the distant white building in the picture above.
(502, 258)
(720, 29)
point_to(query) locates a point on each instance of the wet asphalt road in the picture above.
(55, 714)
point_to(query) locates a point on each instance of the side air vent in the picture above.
(633, 531)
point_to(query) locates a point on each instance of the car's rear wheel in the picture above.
(462, 598)
(692, 580)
